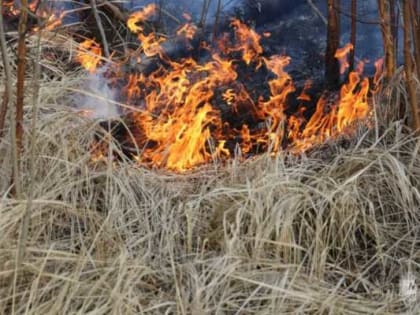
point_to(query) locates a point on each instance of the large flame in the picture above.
(193, 112)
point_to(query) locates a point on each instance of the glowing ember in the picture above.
(193, 112)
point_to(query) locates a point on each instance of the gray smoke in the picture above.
(97, 97)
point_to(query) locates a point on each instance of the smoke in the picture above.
(97, 98)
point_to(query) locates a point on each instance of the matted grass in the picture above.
(328, 232)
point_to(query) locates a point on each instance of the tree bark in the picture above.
(332, 68)
(388, 38)
(411, 89)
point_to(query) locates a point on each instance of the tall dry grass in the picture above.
(328, 232)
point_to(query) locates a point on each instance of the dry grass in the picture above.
(326, 233)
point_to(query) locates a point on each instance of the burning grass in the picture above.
(222, 97)
(207, 105)
(330, 231)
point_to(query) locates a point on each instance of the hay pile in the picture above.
(330, 232)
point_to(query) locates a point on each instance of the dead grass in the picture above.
(330, 232)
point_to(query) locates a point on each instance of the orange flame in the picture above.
(188, 30)
(330, 120)
(140, 17)
(379, 66)
(89, 55)
(187, 16)
(50, 20)
(190, 110)
(341, 54)
(304, 95)
(248, 41)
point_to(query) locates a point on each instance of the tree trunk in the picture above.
(411, 89)
(394, 12)
(332, 68)
(20, 84)
(7, 73)
(3, 112)
(217, 20)
(204, 11)
(416, 35)
(386, 29)
(353, 33)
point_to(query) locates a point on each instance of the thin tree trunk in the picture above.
(217, 20)
(8, 87)
(21, 65)
(17, 122)
(15, 181)
(160, 15)
(389, 49)
(332, 68)
(409, 66)
(3, 112)
(353, 33)
(416, 35)
(394, 12)
(204, 11)
(8, 75)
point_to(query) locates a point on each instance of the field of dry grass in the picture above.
(329, 232)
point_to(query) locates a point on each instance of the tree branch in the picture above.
(317, 11)
(100, 27)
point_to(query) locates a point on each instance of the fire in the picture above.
(248, 41)
(379, 64)
(304, 95)
(139, 17)
(11, 7)
(188, 30)
(187, 16)
(192, 112)
(331, 120)
(151, 44)
(179, 116)
(341, 54)
(89, 55)
(50, 20)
